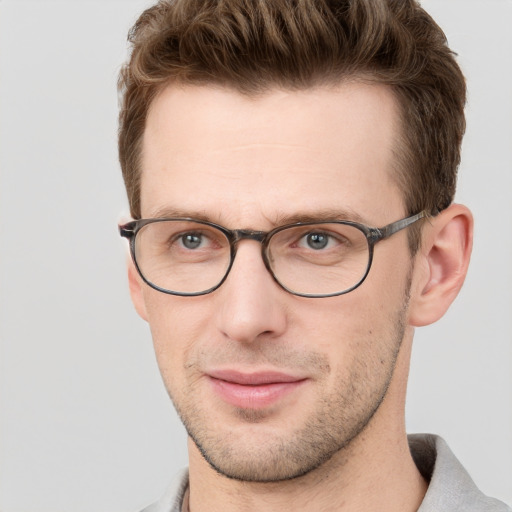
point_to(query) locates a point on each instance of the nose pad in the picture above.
(251, 302)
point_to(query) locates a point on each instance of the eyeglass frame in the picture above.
(234, 236)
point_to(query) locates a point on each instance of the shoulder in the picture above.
(450, 486)
(172, 499)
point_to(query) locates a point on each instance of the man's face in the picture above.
(271, 385)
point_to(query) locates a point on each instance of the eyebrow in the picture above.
(279, 219)
(169, 212)
(318, 216)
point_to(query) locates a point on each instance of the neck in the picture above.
(374, 472)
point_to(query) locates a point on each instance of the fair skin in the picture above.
(332, 437)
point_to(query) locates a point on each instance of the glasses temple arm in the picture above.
(394, 227)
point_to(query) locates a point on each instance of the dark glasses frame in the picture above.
(234, 236)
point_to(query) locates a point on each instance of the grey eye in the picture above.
(191, 240)
(317, 240)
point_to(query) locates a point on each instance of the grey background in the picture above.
(85, 422)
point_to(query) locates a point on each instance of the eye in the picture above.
(191, 240)
(317, 240)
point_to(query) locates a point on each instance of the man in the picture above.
(291, 168)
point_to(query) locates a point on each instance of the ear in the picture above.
(135, 284)
(441, 264)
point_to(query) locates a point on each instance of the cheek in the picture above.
(176, 324)
(363, 324)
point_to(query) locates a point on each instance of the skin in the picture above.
(337, 440)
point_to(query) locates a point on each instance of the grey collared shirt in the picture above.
(450, 489)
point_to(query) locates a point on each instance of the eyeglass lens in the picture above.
(191, 257)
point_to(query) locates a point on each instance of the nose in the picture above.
(251, 303)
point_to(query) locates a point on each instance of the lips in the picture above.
(253, 390)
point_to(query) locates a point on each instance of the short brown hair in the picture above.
(254, 45)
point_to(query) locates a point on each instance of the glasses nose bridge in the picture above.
(237, 235)
(248, 234)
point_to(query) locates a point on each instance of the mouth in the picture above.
(255, 390)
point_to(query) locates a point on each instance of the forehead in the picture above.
(228, 156)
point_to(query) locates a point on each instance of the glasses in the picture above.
(188, 257)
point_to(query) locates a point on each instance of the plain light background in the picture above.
(85, 422)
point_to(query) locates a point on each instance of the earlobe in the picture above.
(135, 284)
(441, 264)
